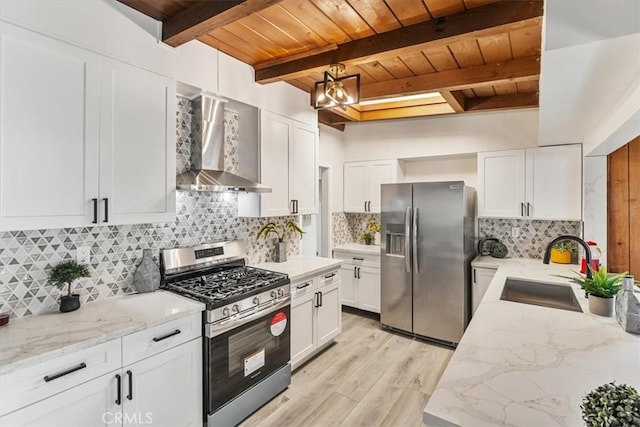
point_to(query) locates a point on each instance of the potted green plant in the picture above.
(611, 405)
(373, 228)
(367, 238)
(280, 230)
(600, 289)
(64, 274)
(562, 251)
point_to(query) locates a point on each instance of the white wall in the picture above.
(595, 202)
(442, 135)
(443, 168)
(332, 156)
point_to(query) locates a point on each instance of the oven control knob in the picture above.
(281, 292)
(274, 294)
(225, 311)
(256, 301)
(236, 308)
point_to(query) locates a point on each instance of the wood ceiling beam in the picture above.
(329, 119)
(455, 98)
(407, 112)
(502, 102)
(206, 16)
(516, 70)
(495, 18)
(349, 114)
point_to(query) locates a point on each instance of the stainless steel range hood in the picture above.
(207, 152)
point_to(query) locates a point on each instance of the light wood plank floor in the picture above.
(369, 377)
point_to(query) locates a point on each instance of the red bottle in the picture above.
(595, 255)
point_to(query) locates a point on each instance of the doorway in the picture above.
(324, 218)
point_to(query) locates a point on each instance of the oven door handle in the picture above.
(212, 330)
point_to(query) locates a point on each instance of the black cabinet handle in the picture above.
(316, 300)
(369, 206)
(320, 298)
(521, 209)
(329, 276)
(119, 385)
(474, 275)
(48, 378)
(354, 272)
(130, 378)
(95, 211)
(303, 286)
(297, 210)
(106, 209)
(169, 335)
(358, 259)
(358, 274)
(528, 206)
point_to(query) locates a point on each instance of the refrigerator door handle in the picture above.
(415, 240)
(407, 234)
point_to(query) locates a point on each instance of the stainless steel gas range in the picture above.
(246, 326)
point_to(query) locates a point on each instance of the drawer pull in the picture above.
(119, 385)
(169, 335)
(67, 372)
(130, 377)
(358, 259)
(303, 286)
(329, 276)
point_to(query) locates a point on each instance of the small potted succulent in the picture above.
(600, 289)
(280, 231)
(64, 274)
(611, 405)
(367, 238)
(562, 251)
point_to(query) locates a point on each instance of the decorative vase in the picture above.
(147, 275)
(281, 252)
(628, 307)
(601, 306)
(560, 257)
(69, 303)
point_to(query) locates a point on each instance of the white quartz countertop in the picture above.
(42, 337)
(301, 266)
(525, 365)
(358, 248)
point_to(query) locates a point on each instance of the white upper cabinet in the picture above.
(49, 131)
(137, 144)
(362, 181)
(536, 183)
(288, 165)
(501, 183)
(84, 139)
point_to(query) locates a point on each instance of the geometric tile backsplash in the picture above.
(348, 227)
(533, 237)
(26, 257)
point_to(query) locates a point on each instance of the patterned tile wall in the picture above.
(534, 234)
(348, 227)
(26, 257)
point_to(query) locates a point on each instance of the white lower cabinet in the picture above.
(360, 280)
(482, 278)
(316, 315)
(162, 389)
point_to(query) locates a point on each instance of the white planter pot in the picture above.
(601, 306)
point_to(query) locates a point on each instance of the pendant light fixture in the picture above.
(336, 91)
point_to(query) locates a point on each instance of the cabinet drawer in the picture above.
(26, 386)
(329, 278)
(370, 260)
(148, 342)
(303, 287)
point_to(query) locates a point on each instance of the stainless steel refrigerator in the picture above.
(428, 234)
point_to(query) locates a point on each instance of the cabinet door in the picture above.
(302, 330)
(369, 289)
(49, 133)
(356, 187)
(167, 387)
(349, 284)
(274, 164)
(501, 183)
(329, 314)
(554, 182)
(303, 168)
(137, 145)
(90, 404)
(380, 173)
(482, 278)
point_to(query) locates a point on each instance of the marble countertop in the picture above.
(356, 247)
(486, 261)
(525, 365)
(35, 339)
(301, 266)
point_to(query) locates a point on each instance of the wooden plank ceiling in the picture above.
(478, 54)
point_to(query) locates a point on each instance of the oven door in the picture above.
(242, 357)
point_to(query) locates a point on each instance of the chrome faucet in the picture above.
(587, 251)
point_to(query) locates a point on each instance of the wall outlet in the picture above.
(83, 254)
(515, 231)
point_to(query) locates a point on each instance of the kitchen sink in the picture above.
(540, 293)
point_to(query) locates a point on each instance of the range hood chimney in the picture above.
(207, 152)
